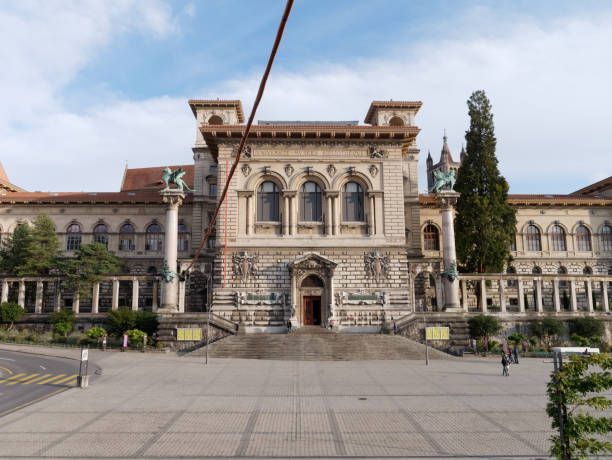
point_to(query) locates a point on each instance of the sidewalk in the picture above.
(152, 405)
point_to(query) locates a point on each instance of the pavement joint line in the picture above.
(245, 439)
(410, 418)
(154, 436)
(339, 445)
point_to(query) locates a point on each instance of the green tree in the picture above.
(547, 330)
(10, 312)
(485, 224)
(482, 327)
(43, 248)
(120, 320)
(92, 263)
(517, 338)
(572, 396)
(587, 327)
(62, 321)
(14, 249)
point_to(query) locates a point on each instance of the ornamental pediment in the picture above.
(311, 261)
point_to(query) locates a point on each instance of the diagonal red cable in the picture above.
(262, 85)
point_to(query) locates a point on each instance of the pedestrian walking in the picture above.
(394, 327)
(289, 325)
(510, 359)
(515, 352)
(504, 361)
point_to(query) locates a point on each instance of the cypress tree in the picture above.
(485, 224)
(43, 248)
(14, 249)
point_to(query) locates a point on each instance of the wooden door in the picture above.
(308, 311)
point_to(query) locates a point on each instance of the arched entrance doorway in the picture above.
(312, 291)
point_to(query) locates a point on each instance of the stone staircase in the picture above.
(314, 343)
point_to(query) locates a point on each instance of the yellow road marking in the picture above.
(14, 382)
(16, 376)
(6, 369)
(44, 376)
(33, 401)
(65, 380)
(58, 376)
(72, 383)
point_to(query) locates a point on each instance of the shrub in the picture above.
(95, 332)
(493, 345)
(483, 326)
(62, 321)
(146, 322)
(120, 320)
(547, 330)
(580, 341)
(587, 327)
(517, 338)
(9, 313)
(135, 338)
(534, 341)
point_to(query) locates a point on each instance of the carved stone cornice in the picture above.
(172, 197)
(244, 193)
(288, 193)
(331, 193)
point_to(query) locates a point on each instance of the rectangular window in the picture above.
(212, 189)
(73, 242)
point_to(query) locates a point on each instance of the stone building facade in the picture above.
(323, 223)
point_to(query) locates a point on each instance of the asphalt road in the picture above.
(26, 378)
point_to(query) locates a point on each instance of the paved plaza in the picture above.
(164, 406)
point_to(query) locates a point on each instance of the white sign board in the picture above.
(84, 354)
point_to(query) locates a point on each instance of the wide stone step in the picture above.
(313, 344)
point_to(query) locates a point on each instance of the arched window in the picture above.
(536, 270)
(431, 238)
(153, 240)
(606, 238)
(101, 234)
(534, 243)
(352, 202)
(215, 120)
(183, 237)
(511, 271)
(396, 121)
(583, 238)
(267, 202)
(562, 271)
(73, 237)
(587, 271)
(310, 202)
(127, 238)
(558, 238)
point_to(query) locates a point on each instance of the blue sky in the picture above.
(90, 85)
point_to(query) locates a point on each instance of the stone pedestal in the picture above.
(447, 200)
(170, 282)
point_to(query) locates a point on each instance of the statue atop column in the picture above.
(447, 197)
(176, 178)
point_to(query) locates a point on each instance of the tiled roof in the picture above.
(148, 179)
(414, 105)
(3, 176)
(596, 188)
(221, 103)
(84, 197)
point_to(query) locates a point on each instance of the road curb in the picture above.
(31, 352)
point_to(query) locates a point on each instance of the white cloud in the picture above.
(549, 88)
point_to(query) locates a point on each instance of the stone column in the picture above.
(285, 225)
(483, 295)
(464, 295)
(293, 217)
(5, 289)
(328, 214)
(21, 294)
(115, 298)
(447, 200)
(173, 198)
(40, 288)
(371, 216)
(155, 302)
(58, 298)
(521, 294)
(502, 295)
(604, 296)
(249, 216)
(574, 302)
(135, 287)
(589, 289)
(95, 298)
(411, 277)
(556, 295)
(539, 306)
(336, 212)
(76, 303)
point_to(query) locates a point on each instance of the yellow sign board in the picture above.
(188, 333)
(437, 333)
